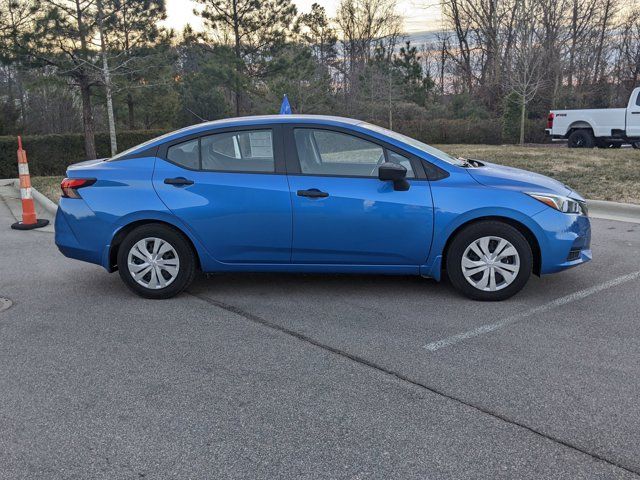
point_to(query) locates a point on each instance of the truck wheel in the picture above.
(636, 145)
(581, 138)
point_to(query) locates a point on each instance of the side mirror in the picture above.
(393, 172)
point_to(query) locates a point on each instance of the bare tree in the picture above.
(363, 25)
(526, 58)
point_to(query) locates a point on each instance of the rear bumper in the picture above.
(567, 240)
(67, 240)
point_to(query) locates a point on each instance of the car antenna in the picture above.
(195, 114)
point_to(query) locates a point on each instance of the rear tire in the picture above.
(156, 261)
(489, 249)
(636, 145)
(581, 138)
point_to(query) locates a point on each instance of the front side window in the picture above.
(185, 154)
(243, 151)
(324, 152)
(394, 157)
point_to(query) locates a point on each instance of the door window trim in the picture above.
(276, 139)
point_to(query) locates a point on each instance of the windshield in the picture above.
(416, 144)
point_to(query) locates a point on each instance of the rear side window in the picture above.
(638, 100)
(186, 154)
(243, 151)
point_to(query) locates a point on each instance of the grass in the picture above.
(48, 186)
(596, 174)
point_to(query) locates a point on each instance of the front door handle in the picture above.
(178, 181)
(635, 113)
(312, 193)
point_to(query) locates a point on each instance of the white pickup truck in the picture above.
(602, 128)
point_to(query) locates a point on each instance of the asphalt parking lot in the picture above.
(309, 376)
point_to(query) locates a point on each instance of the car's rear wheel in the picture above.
(636, 145)
(156, 261)
(581, 138)
(489, 260)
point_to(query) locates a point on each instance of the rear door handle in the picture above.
(178, 181)
(635, 113)
(312, 193)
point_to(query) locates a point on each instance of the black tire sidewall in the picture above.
(482, 229)
(187, 270)
(588, 138)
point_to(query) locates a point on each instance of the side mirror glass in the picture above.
(393, 172)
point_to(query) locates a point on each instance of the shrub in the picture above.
(487, 131)
(51, 154)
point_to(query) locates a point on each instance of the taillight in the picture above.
(550, 120)
(70, 186)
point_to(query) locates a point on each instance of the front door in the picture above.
(633, 115)
(342, 213)
(231, 190)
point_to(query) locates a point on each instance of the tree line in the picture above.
(111, 65)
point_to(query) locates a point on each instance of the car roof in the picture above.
(240, 122)
(267, 119)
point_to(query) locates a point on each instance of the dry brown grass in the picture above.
(49, 186)
(596, 174)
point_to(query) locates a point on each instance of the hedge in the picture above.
(51, 154)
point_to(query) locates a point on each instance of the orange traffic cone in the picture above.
(29, 220)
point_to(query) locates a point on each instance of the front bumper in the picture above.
(567, 240)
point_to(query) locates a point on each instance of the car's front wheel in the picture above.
(489, 260)
(156, 261)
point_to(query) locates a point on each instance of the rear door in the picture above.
(342, 213)
(230, 188)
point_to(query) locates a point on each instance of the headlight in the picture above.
(561, 203)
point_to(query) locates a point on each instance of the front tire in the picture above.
(581, 138)
(636, 145)
(156, 261)
(489, 261)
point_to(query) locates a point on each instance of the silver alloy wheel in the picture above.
(153, 263)
(490, 263)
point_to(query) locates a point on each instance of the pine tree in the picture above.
(253, 28)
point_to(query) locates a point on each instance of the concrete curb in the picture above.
(42, 200)
(622, 212)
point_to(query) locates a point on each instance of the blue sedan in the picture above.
(303, 193)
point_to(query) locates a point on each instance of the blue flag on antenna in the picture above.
(285, 108)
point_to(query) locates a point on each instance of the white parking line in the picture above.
(558, 302)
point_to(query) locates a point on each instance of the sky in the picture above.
(420, 15)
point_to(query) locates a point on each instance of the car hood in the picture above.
(492, 175)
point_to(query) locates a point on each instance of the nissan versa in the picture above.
(303, 193)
